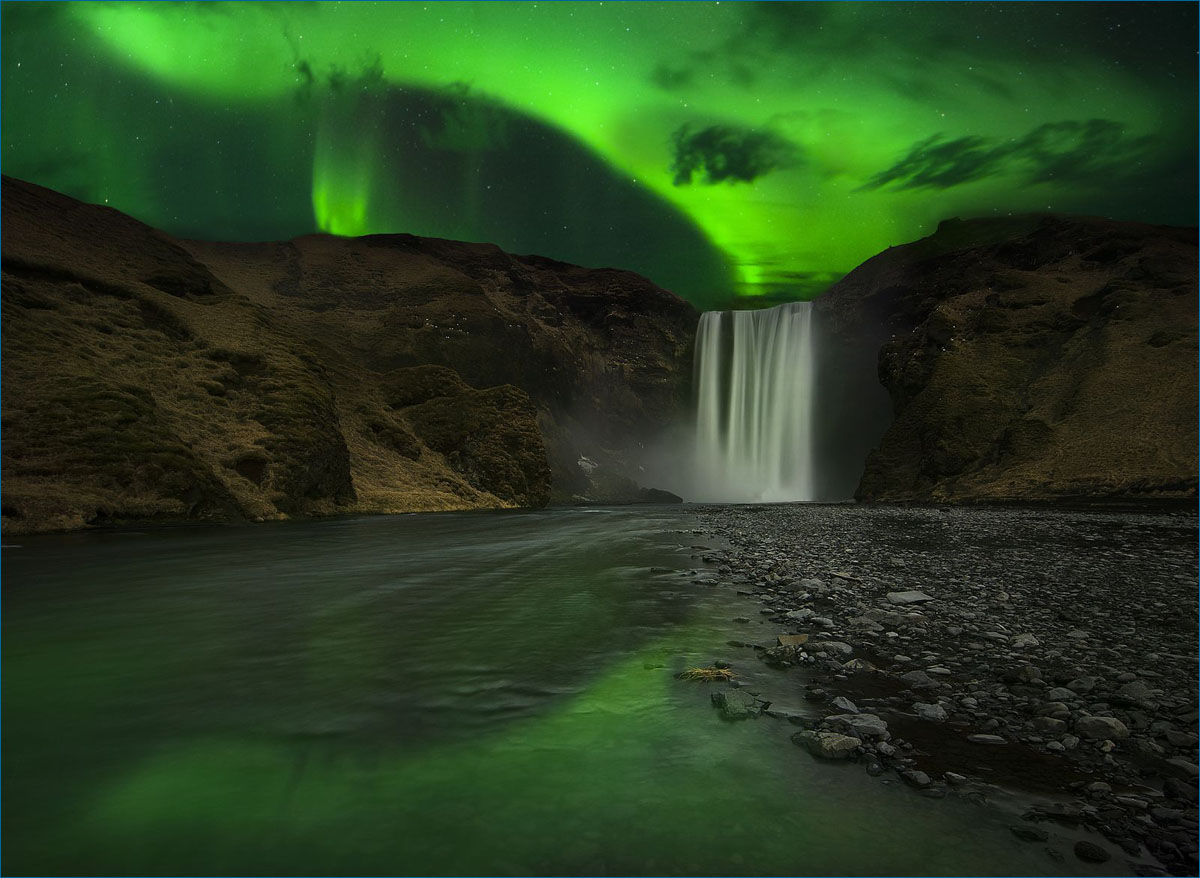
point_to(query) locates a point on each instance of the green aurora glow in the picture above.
(720, 148)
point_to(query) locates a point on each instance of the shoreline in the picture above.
(1115, 504)
(977, 676)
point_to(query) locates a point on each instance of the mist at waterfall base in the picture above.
(783, 411)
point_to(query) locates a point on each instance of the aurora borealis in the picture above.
(719, 148)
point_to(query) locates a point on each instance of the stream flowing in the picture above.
(476, 693)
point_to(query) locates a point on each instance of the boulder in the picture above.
(827, 745)
(860, 725)
(736, 703)
(1100, 728)
(934, 712)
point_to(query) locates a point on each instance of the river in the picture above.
(476, 693)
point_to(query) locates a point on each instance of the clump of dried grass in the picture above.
(707, 675)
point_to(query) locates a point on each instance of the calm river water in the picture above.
(486, 693)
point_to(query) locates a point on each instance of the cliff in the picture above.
(154, 379)
(1029, 358)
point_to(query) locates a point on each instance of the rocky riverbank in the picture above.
(969, 650)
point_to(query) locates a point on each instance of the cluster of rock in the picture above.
(931, 663)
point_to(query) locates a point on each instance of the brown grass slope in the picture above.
(1032, 358)
(152, 379)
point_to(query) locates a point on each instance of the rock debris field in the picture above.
(1046, 652)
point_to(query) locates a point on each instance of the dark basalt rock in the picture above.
(1030, 358)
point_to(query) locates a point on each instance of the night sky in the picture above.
(719, 148)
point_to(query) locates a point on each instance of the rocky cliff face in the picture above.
(147, 378)
(1034, 358)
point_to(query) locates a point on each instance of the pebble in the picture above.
(904, 598)
(986, 739)
(1090, 852)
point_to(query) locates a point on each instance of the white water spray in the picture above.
(754, 371)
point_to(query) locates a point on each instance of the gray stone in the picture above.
(1100, 728)
(783, 713)
(1180, 739)
(861, 725)
(915, 778)
(1090, 852)
(845, 705)
(857, 664)
(1135, 694)
(1050, 725)
(1058, 693)
(1176, 789)
(934, 712)
(1184, 768)
(792, 640)
(736, 703)
(1029, 673)
(986, 739)
(864, 624)
(1024, 641)
(903, 598)
(919, 680)
(827, 745)
(1082, 685)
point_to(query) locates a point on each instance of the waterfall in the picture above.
(754, 374)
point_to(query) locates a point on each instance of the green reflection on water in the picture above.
(490, 711)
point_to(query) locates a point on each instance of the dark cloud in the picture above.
(726, 152)
(1063, 152)
(766, 28)
(783, 24)
(311, 82)
(670, 78)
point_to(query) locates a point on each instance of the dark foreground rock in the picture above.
(1037, 357)
(1052, 653)
(153, 379)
